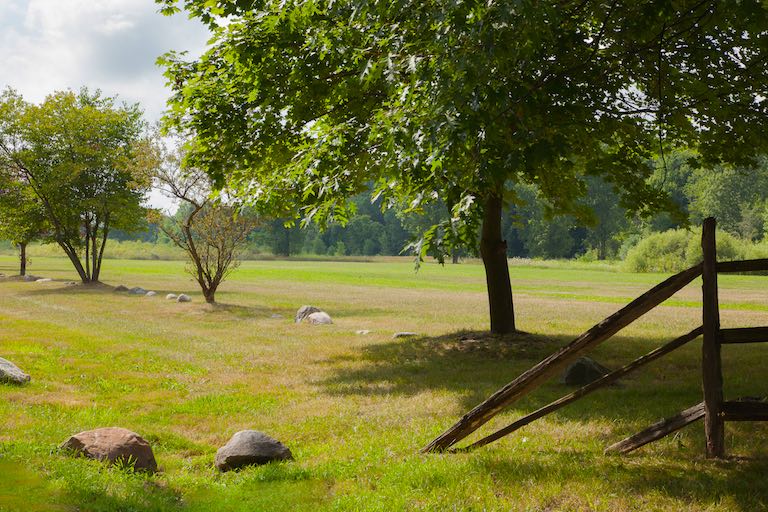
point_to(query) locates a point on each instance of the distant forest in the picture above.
(737, 197)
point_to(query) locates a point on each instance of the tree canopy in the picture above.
(83, 158)
(309, 102)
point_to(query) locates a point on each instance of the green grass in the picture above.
(355, 410)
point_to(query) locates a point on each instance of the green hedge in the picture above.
(678, 249)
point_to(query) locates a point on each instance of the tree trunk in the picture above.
(493, 251)
(22, 258)
(454, 257)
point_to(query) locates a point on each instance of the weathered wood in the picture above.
(546, 368)
(658, 430)
(743, 266)
(745, 411)
(592, 386)
(711, 371)
(744, 335)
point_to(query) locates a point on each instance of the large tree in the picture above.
(434, 100)
(85, 159)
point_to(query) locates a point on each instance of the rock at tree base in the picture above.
(171, 296)
(11, 373)
(305, 311)
(137, 290)
(319, 318)
(583, 371)
(113, 444)
(404, 334)
(183, 298)
(151, 294)
(120, 288)
(249, 447)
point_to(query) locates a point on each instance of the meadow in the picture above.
(356, 409)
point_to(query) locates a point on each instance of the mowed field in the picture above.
(356, 409)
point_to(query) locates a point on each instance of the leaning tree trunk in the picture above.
(22, 258)
(493, 250)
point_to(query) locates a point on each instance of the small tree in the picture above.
(22, 218)
(211, 232)
(86, 162)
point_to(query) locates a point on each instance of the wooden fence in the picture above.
(714, 409)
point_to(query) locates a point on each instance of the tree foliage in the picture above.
(306, 102)
(84, 159)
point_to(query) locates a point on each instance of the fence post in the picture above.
(711, 368)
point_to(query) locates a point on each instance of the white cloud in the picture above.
(112, 45)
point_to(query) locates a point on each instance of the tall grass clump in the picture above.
(678, 249)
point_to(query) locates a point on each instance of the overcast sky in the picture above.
(48, 45)
(112, 45)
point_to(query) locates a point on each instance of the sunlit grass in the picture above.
(355, 410)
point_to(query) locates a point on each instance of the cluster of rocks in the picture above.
(312, 315)
(121, 446)
(137, 290)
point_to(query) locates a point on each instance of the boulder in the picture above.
(151, 294)
(583, 371)
(137, 290)
(11, 373)
(404, 334)
(171, 296)
(319, 318)
(249, 447)
(305, 311)
(30, 278)
(183, 298)
(120, 288)
(113, 444)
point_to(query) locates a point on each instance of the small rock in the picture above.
(120, 288)
(319, 318)
(30, 278)
(137, 290)
(46, 280)
(404, 334)
(305, 311)
(151, 294)
(362, 332)
(11, 373)
(71, 283)
(249, 447)
(171, 296)
(183, 298)
(275, 315)
(583, 371)
(113, 444)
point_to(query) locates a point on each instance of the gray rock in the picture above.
(11, 373)
(319, 318)
(183, 298)
(137, 290)
(45, 280)
(404, 334)
(151, 294)
(120, 288)
(275, 315)
(171, 296)
(249, 447)
(30, 278)
(113, 444)
(583, 371)
(305, 311)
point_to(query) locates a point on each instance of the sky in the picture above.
(112, 45)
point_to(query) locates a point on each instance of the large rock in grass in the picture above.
(11, 373)
(183, 298)
(319, 318)
(29, 278)
(249, 447)
(137, 290)
(114, 445)
(151, 294)
(171, 296)
(583, 371)
(120, 288)
(304, 312)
